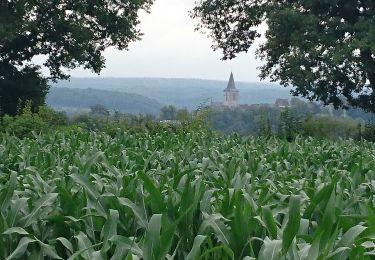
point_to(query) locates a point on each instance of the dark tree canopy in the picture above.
(325, 49)
(19, 86)
(99, 110)
(68, 33)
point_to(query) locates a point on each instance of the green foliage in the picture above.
(199, 119)
(25, 124)
(17, 87)
(89, 122)
(68, 35)
(68, 38)
(185, 195)
(52, 117)
(305, 108)
(251, 121)
(116, 123)
(183, 115)
(369, 132)
(289, 124)
(264, 124)
(330, 127)
(322, 49)
(6, 121)
(99, 111)
(168, 113)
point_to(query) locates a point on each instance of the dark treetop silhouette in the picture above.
(68, 33)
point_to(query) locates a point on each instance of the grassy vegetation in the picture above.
(185, 195)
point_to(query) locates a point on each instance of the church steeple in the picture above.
(231, 93)
(231, 84)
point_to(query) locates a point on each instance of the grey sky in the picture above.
(171, 48)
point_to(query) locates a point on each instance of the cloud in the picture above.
(170, 47)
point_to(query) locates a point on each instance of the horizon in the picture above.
(173, 78)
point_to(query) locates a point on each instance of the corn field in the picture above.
(185, 195)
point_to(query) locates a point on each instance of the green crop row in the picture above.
(185, 195)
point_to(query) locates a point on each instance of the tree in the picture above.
(324, 49)
(168, 113)
(18, 86)
(99, 110)
(300, 106)
(183, 115)
(67, 33)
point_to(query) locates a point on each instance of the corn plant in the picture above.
(185, 195)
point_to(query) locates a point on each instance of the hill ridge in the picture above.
(189, 93)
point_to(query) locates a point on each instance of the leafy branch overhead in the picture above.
(68, 34)
(325, 49)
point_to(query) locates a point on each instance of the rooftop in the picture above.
(231, 85)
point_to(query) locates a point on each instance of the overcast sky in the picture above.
(170, 48)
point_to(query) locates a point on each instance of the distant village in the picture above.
(231, 99)
(245, 112)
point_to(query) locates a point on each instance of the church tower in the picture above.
(231, 94)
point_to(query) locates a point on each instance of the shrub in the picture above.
(88, 122)
(52, 117)
(26, 122)
(6, 121)
(369, 132)
(264, 125)
(330, 127)
(289, 124)
(23, 125)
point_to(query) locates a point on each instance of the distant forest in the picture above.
(72, 100)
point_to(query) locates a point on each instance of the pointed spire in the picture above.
(231, 84)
